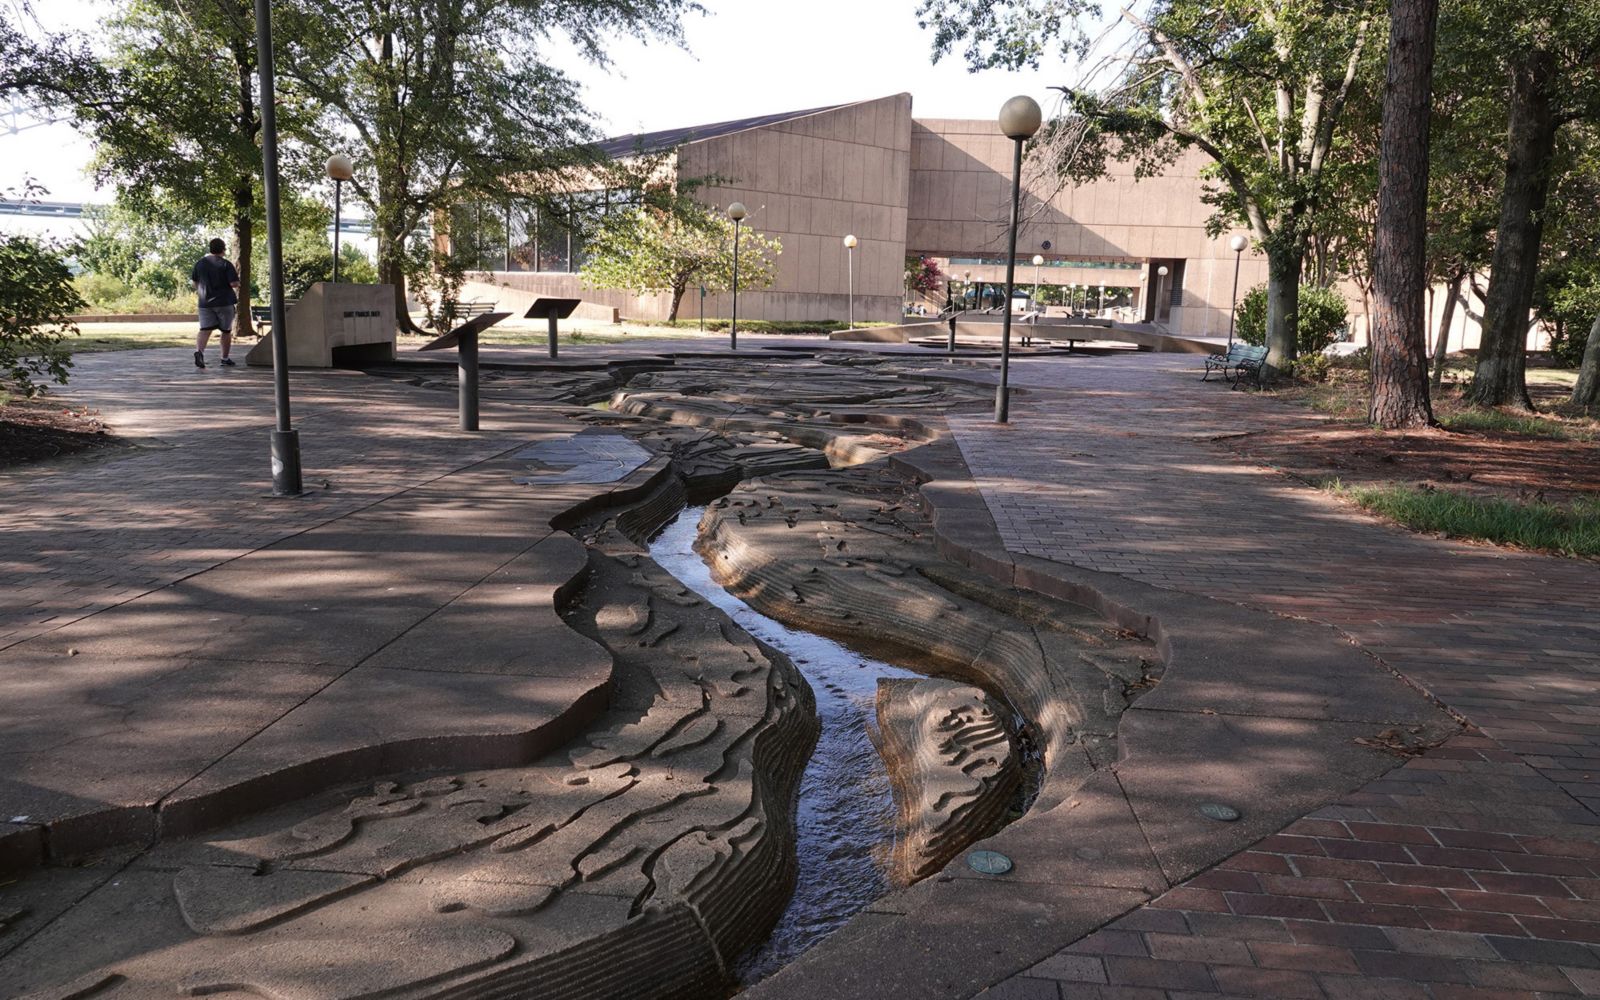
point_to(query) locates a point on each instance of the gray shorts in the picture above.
(217, 318)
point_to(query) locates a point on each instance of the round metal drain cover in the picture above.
(988, 862)
(1219, 812)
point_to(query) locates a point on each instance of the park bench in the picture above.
(1240, 362)
(455, 313)
(261, 316)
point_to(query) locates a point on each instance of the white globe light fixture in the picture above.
(850, 267)
(1019, 119)
(736, 212)
(1038, 260)
(340, 169)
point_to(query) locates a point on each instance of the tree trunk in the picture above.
(1587, 392)
(391, 257)
(677, 299)
(244, 187)
(1500, 376)
(1283, 303)
(391, 271)
(1443, 345)
(243, 245)
(1399, 271)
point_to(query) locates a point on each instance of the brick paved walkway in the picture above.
(1472, 871)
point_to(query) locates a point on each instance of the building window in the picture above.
(546, 235)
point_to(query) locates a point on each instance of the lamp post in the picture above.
(1038, 260)
(1238, 243)
(850, 266)
(340, 169)
(285, 439)
(1100, 307)
(1161, 290)
(1020, 118)
(736, 212)
(966, 288)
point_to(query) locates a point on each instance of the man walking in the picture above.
(216, 281)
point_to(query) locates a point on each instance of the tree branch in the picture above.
(1191, 79)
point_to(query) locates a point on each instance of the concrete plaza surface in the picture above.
(160, 676)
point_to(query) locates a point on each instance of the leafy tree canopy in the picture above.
(923, 274)
(441, 101)
(673, 242)
(1261, 88)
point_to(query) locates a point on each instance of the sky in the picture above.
(743, 58)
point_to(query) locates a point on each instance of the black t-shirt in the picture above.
(215, 277)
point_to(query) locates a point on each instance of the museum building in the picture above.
(902, 186)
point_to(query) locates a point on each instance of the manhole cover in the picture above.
(988, 862)
(1219, 812)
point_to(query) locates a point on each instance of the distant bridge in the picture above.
(15, 118)
(75, 210)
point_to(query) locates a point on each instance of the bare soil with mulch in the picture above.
(40, 429)
(1504, 464)
(1482, 463)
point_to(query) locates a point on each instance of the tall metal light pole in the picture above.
(1161, 293)
(1100, 308)
(1238, 243)
(966, 288)
(736, 212)
(1020, 118)
(850, 266)
(285, 439)
(1038, 260)
(340, 169)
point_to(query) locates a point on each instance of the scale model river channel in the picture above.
(846, 811)
(605, 769)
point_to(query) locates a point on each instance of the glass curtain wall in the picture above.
(546, 235)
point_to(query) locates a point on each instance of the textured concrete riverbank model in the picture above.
(441, 728)
(954, 765)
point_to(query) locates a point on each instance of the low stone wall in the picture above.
(514, 293)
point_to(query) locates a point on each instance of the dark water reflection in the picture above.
(846, 811)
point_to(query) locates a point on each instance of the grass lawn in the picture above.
(1569, 529)
(93, 338)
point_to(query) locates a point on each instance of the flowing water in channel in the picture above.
(846, 813)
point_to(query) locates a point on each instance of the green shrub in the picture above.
(1323, 315)
(105, 293)
(37, 301)
(101, 290)
(1567, 342)
(308, 259)
(1311, 367)
(1251, 319)
(1358, 360)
